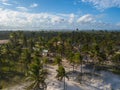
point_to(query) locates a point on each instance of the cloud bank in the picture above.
(10, 19)
(104, 4)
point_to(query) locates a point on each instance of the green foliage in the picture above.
(61, 73)
(116, 58)
(101, 57)
(58, 60)
(45, 60)
(77, 58)
(26, 47)
(37, 75)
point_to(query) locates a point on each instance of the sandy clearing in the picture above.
(106, 81)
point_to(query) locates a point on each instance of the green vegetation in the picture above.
(61, 74)
(37, 75)
(23, 55)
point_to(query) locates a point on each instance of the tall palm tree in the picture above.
(71, 59)
(94, 54)
(61, 74)
(26, 58)
(38, 76)
(78, 60)
(13, 38)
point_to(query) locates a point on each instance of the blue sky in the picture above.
(59, 14)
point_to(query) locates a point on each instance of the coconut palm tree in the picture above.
(95, 55)
(71, 59)
(38, 76)
(61, 74)
(78, 61)
(26, 58)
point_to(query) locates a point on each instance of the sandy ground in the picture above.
(106, 81)
(4, 41)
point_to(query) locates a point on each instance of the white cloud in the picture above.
(86, 19)
(56, 19)
(14, 19)
(10, 19)
(22, 8)
(71, 19)
(5, 2)
(33, 5)
(8, 4)
(104, 4)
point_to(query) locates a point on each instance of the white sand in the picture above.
(106, 81)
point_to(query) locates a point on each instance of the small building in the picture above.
(59, 42)
(45, 52)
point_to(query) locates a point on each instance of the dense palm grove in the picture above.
(22, 57)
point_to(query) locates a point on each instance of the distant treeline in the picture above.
(50, 34)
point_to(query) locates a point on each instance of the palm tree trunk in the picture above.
(64, 83)
(73, 67)
(81, 73)
(93, 67)
(93, 72)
